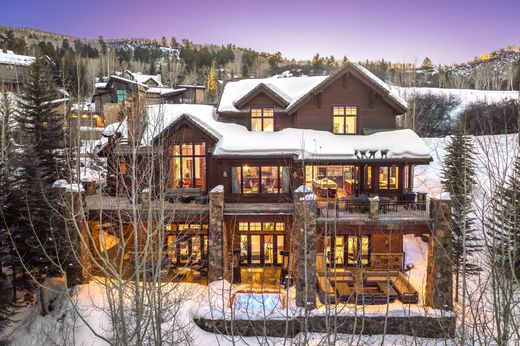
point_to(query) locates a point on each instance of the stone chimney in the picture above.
(135, 111)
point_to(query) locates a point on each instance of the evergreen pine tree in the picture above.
(173, 42)
(458, 178)
(503, 226)
(38, 165)
(427, 64)
(212, 83)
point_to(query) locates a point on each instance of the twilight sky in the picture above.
(398, 30)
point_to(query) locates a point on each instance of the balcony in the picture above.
(103, 202)
(359, 208)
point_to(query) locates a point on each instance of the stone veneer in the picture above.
(419, 326)
(216, 236)
(303, 239)
(439, 279)
(78, 271)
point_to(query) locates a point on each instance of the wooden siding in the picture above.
(373, 111)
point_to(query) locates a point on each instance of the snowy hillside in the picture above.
(466, 96)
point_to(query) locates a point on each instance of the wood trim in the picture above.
(261, 88)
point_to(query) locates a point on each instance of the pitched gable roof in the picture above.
(289, 89)
(259, 89)
(296, 91)
(362, 74)
(144, 78)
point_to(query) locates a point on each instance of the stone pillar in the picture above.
(217, 236)
(77, 262)
(304, 259)
(373, 211)
(439, 281)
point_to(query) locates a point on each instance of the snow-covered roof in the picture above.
(290, 89)
(126, 80)
(10, 58)
(391, 93)
(164, 91)
(100, 85)
(143, 78)
(293, 89)
(236, 140)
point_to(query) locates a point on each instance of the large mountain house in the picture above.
(301, 180)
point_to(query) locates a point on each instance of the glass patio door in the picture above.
(261, 249)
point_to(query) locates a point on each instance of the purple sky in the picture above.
(398, 30)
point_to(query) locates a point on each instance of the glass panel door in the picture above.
(339, 247)
(279, 247)
(256, 248)
(328, 247)
(268, 249)
(172, 248)
(196, 253)
(243, 249)
(184, 251)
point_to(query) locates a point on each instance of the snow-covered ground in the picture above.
(494, 155)
(466, 96)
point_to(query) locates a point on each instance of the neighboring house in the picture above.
(13, 69)
(113, 98)
(194, 93)
(277, 156)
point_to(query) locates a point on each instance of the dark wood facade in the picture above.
(376, 111)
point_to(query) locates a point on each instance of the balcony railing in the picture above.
(382, 209)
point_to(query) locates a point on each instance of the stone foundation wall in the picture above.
(424, 327)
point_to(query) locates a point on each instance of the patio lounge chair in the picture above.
(407, 294)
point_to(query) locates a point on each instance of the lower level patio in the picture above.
(365, 287)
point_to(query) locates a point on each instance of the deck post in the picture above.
(373, 211)
(439, 281)
(216, 236)
(304, 240)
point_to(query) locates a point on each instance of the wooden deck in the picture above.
(258, 208)
(103, 202)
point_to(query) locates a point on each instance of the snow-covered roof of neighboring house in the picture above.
(165, 91)
(126, 80)
(233, 140)
(191, 86)
(294, 90)
(143, 78)
(10, 58)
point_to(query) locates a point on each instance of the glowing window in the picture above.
(344, 119)
(262, 119)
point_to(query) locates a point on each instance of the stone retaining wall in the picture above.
(419, 326)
